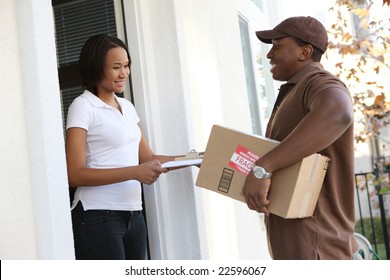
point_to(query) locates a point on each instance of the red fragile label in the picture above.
(243, 159)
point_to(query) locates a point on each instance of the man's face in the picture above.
(285, 58)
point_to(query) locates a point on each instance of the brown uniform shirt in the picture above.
(329, 233)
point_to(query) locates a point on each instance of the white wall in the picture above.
(35, 220)
(188, 75)
(159, 99)
(16, 218)
(213, 67)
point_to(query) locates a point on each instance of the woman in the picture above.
(108, 157)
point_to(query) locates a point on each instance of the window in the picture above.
(254, 104)
(259, 83)
(259, 4)
(76, 21)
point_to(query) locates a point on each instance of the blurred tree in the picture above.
(360, 43)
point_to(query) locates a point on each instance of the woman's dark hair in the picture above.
(92, 57)
(317, 53)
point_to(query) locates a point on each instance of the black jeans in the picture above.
(108, 234)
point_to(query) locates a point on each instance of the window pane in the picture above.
(259, 4)
(251, 80)
(266, 100)
(76, 21)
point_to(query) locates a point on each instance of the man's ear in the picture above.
(306, 52)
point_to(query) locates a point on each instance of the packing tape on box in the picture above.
(305, 204)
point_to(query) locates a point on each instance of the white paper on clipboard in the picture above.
(182, 163)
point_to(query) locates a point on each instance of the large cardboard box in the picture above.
(229, 157)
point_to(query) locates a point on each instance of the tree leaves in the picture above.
(359, 45)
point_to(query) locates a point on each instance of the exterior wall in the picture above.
(185, 80)
(187, 75)
(16, 195)
(35, 219)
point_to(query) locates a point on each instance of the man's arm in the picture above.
(331, 113)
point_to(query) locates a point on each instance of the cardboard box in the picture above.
(229, 157)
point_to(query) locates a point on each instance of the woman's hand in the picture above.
(148, 172)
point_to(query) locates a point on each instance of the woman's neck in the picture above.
(109, 99)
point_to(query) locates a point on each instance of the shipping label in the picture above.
(226, 180)
(243, 159)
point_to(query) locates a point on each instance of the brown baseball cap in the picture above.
(307, 29)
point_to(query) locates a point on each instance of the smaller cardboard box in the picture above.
(229, 157)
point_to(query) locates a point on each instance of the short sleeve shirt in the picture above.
(329, 233)
(112, 141)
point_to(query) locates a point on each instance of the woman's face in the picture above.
(116, 71)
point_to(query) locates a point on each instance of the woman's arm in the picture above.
(80, 175)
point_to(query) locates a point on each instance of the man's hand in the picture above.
(256, 193)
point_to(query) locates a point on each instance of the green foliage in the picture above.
(369, 230)
(381, 183)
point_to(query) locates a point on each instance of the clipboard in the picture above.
(193, 158)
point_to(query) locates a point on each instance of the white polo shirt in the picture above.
(112, 141)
